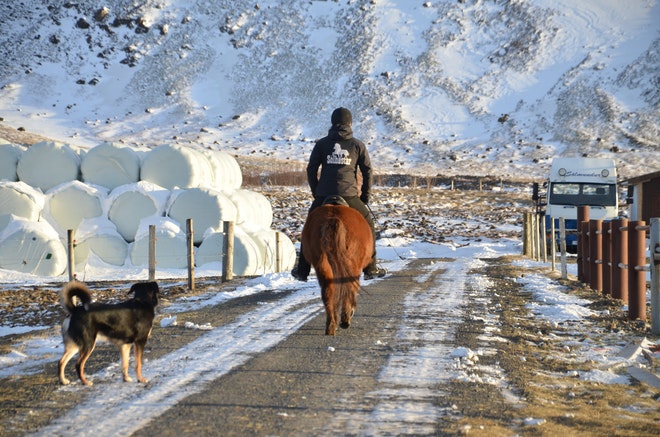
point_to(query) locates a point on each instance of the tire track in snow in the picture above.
(186, 371)
(406, 403)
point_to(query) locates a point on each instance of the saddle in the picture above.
(335, 199)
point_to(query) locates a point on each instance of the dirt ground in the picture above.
(534, 355)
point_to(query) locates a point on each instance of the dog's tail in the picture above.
(74, 289)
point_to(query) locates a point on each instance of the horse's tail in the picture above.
(333, 238)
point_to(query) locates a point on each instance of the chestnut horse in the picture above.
(338, 242)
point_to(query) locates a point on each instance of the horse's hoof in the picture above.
(345, 325)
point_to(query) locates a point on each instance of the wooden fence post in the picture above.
(71, 256)
(586, 255)
(527, 233)
(543, 248)
(278, 254)
(228, 252)
(607, 257)
(152, 252)
(636, 272)
(596, 254)
(654, 249)
(582, 215)
(620, 259)
(191, 254)
(553, 245)
(562, 247)
(535, 236)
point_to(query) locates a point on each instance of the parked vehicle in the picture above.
(577, 182)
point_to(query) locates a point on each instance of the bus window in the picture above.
(582, 194)
(595, 190)
(563, 189)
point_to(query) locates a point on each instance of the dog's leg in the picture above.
(125, 356)
(139, 350)
(70, 349)
(80, 364)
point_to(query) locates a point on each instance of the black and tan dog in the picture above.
(124, 324)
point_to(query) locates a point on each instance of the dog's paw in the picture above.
(65, 381)
(143, 380)
(128, 378)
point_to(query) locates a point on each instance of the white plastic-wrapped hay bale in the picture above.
(227, 173)
(32, 247)
(131, 203)
(171, 247)
(81, 253)
(103, 240)
(110, 165)
(253, 208)
(247, 259)
(9, 156)
(206, 207)
(173, 166)
(47, 164)
(21, 200)
(266, 241)
(69, 203)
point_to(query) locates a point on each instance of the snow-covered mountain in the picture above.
(436, 87)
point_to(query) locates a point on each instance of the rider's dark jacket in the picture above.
(339, 156)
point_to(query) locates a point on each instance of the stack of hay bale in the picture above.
(110, 194)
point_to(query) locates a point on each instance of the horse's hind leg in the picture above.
(349, 303)
(331, 310)
(346, 315)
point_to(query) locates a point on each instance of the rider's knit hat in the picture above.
(341, 116)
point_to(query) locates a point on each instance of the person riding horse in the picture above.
(340, 155)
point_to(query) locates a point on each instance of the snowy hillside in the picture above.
(451, 87)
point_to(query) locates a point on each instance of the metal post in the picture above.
(596, 254)
(636, 273)
(191, 254)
